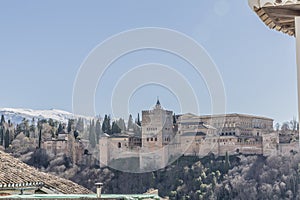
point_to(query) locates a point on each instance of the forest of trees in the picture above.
(234, 177)
(37, 130)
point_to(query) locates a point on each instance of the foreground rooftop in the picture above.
(84, 196)
(16, 175)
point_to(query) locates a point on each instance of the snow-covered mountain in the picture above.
(16, 115)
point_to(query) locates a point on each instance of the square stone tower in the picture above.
(157, 127)
(157, 132)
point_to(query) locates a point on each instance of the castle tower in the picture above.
(157, 127)
(157, 132)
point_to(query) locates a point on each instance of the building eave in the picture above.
(278, 16)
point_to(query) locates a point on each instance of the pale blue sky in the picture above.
(43, 43)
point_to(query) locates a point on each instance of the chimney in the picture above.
(99, 187)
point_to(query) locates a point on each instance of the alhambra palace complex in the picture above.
(163, 139)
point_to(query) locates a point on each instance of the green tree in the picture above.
(32, 128)
(174, 119)
(138, 120)
(39, 124)
(51, 122)
(76, 134)
(6, 139)
(80, 125)
(115, 128)
(92, 134)
(71, 123)
(40, 138)
(1, 135)
(2, 120)
(106, 125)
(98, 130)
(121, 124)
(60, 128)
(130, 123)
(18, 129)
(23, 127)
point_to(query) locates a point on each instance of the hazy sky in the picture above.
(43, 44)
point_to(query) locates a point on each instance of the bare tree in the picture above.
(294, 124)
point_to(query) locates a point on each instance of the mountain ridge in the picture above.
(16, 115)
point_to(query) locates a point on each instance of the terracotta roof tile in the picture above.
(15, 173)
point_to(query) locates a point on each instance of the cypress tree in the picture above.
(130, 123)
(104, 124)
(115, 128)
(121, 124)
(1, 135)
(108, 125)
(6, 139)
(98, 130)
(138, 120)
(40, 138)
(2, 119)
(92, 134)
(174, 119)
(60, 128)
(70, 125)
(80, 125)
(106, 128)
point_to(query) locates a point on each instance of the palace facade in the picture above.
(165, 137)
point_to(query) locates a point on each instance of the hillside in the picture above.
(245, 177)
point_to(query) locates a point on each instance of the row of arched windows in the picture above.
(151, 139)
(227, 133)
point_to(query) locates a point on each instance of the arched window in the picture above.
(119, 145)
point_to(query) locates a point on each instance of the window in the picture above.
(119, 145)
(151, 139)
(147, 139)
(155, 139)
